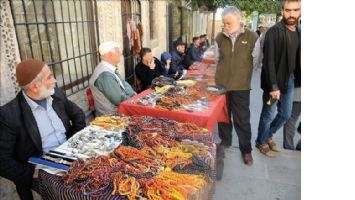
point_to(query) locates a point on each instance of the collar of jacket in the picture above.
(30, 122)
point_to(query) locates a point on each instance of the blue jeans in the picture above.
(269, 124)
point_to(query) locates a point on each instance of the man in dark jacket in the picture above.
(204, 43)
(193, 53)
(280, 72)
(148, 68)
(177, 58)
(39, 119)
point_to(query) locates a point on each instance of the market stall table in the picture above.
(52, 187)
(79, 181)
(207, 118)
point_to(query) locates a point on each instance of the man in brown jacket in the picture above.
(237, 50)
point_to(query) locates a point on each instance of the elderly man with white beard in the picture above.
(38, 119)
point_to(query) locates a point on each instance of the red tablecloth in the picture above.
(209, 60)
(207, 118)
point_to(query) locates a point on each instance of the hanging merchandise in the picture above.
(129, 32)
(133, 32)
(138, 37)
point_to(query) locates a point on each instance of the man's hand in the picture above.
(35, 174)
(168, 64)
(275, 94)
(176, 74)
(152, 64)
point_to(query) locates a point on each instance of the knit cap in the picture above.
(27, 70)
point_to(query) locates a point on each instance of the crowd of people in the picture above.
(42, 118)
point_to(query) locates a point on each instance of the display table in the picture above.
(51, 187)
(207, 118)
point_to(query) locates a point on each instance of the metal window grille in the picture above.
(62, 33)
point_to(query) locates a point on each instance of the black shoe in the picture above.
(220, 168)
(299, 128)
(220, 151)
(298, 146)
(248, 159)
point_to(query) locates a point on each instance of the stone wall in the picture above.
(9, 54)
(110, 23)
(159, 43)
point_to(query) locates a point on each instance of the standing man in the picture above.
(237, 50)
(39, 119)
(281, 68)
(260, 30)
(109, 88)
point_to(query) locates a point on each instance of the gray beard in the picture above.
(44, 93)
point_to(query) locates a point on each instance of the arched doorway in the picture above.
(132, 41)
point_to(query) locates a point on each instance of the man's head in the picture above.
(196, 41)
(110, 52)
(35, 78)
(291, 11)
(180, 47)
(231, 20)
(203, 37)
(146, 55)
(261, 29)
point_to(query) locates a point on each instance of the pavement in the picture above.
(277, 178)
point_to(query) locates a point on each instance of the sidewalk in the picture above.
(277, 178)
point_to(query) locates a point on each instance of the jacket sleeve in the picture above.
(111, 88)
(75, 114)
(142, 75)
(176, 64)
(19, 173)
(161, 69)
(195, 54)
(269, 63)
(129, 92)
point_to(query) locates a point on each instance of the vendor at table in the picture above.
(108, 87)
(37, 120)
(193, 54)
(177, 58)
(148, 68)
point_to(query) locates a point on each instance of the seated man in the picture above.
(193, 54)
(39, 119)
(204, 43)
(109, 89)
(177, 57)
(148, 68)
(165, 60)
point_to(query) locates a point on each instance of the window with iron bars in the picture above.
(62, 33)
